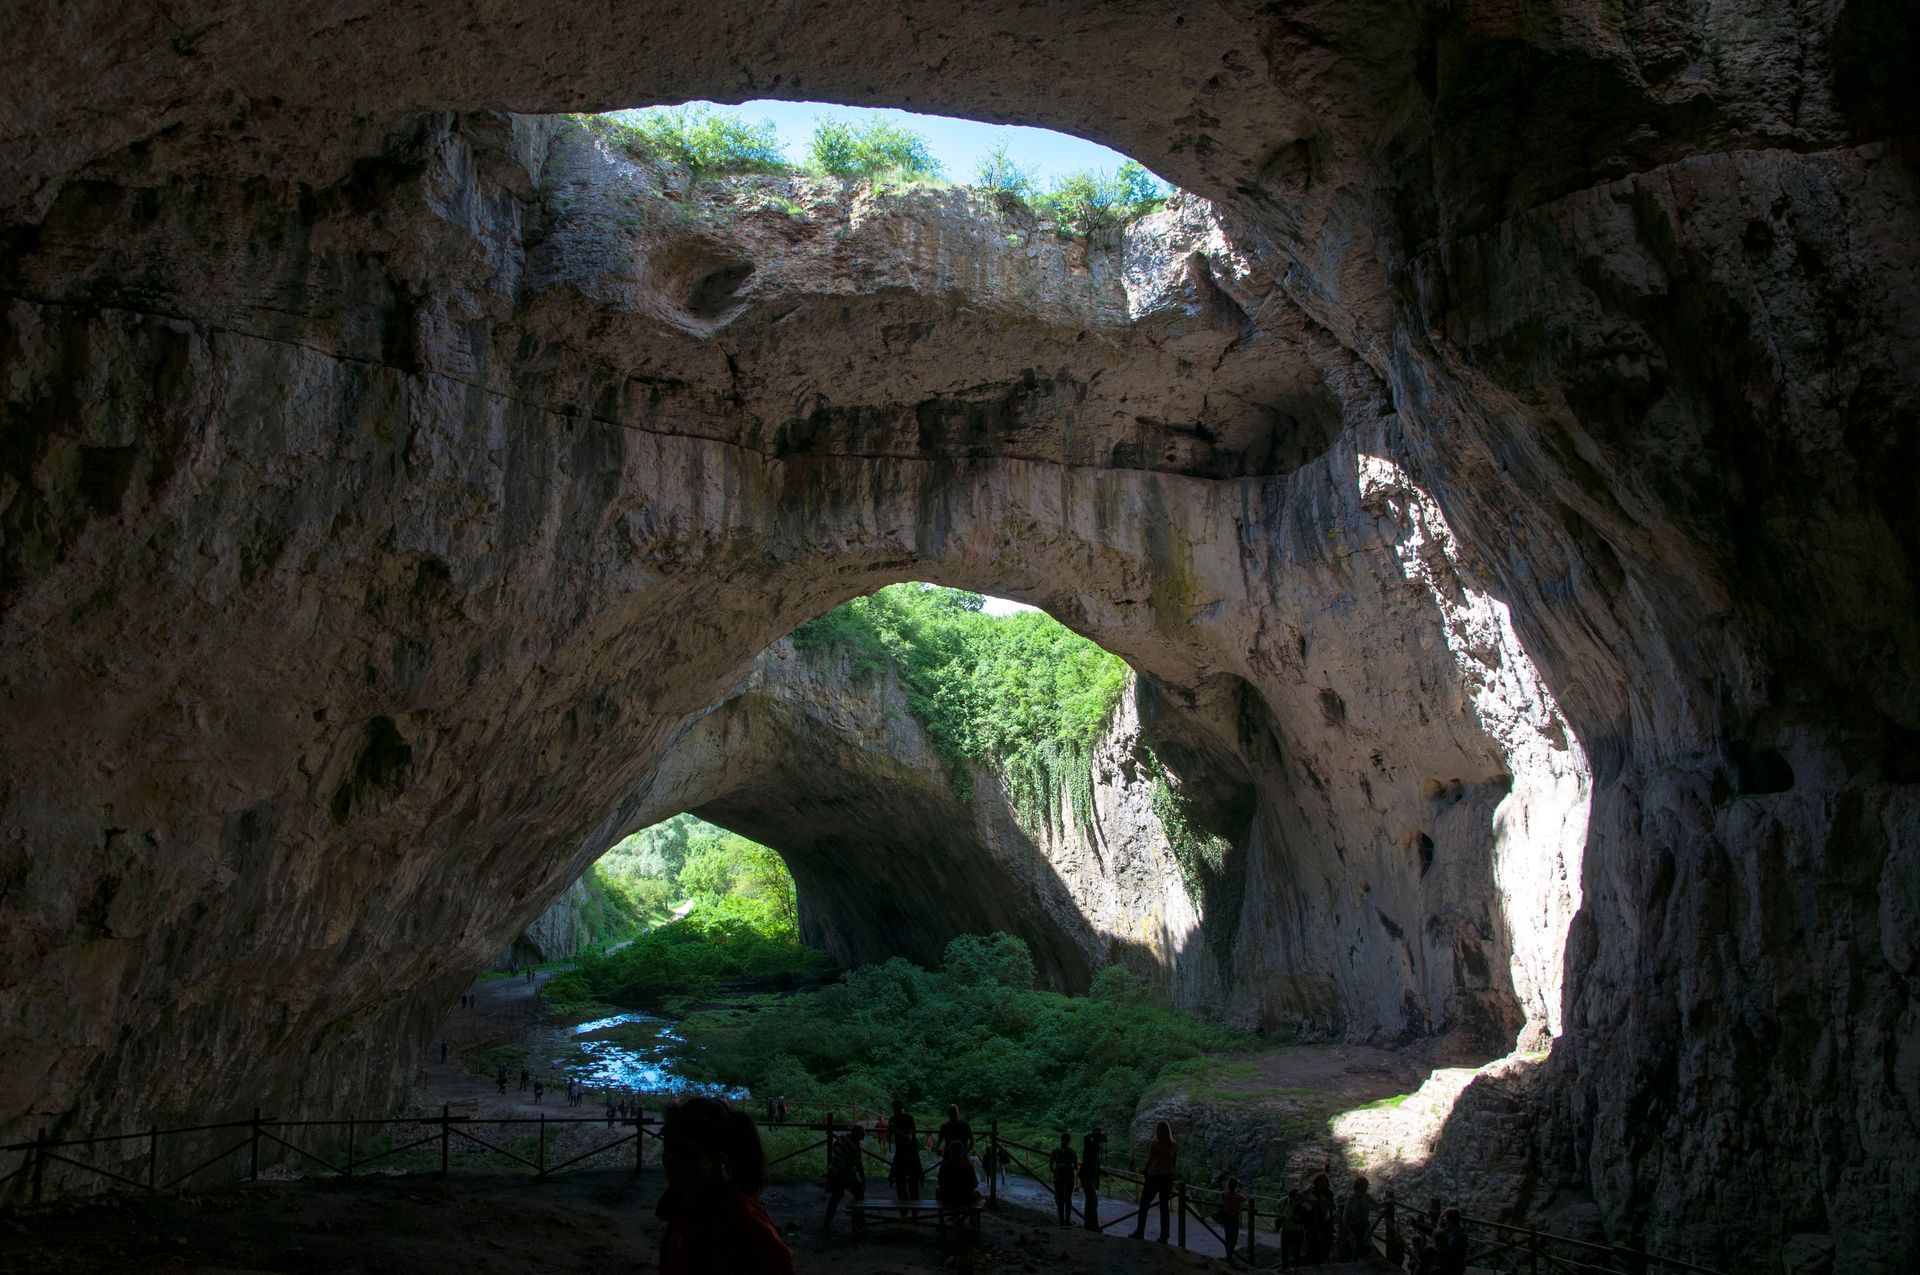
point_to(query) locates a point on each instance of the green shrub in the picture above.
(707, 142)
(877, 149)
(1021, 692)
(971, 1034)
(998, 173)
(1086, 203)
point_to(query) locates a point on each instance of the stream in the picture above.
(628, 1051)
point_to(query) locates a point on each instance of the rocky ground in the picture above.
(495, 1224)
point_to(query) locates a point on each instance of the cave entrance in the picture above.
(929, 763)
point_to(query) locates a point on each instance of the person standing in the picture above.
(1322, 1219)
(716, 1169)
(907, 1173)
(1293, 1231)
(1450, 1243)
(1356, 1221)
(523, 1080)
(1233, 1202)
(1090, 1147)
(955, 1130)
(1159, 1175)
(539, 1088)
(846, 1171)
(1064, 1165)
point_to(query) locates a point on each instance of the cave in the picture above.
(1499, 463)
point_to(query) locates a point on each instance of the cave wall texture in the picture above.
(1519, 422)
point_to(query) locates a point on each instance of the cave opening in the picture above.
(429, 474)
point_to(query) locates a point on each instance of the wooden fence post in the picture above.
(993, 1171)
(256, 1145)
(39, 1162)
(1180, 1193)
(444, 1139)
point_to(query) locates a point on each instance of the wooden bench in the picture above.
(876, 1212)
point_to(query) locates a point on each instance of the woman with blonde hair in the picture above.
(1159, 1174)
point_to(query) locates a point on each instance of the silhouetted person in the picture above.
(773, 1109)
(846, 1171)
(1233, 1202)
(523, 1080)
(907, 1173)
(1159, 1175)
(1356, 1220)
(715, 1170)
(1064, 1164)
(1293, 1230)
(1090, 1147)
(611, 1114)
(1321, 1220)
(955, 1130)
(781, 1109)
(500, 1078)
(957, 1184)
(1450, 1243)
(443, 1051)
(993, 1162)
(539, 1087)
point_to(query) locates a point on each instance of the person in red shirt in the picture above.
(715, 1167)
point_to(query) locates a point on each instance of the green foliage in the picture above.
(616, 908)
(706, 142)
(1086, 203)
(1000, 959)
(720, 939)
(1200, 854)
(688, 858)
(877, 149)
(998, 173)
(975, 1033)
(1021, 692)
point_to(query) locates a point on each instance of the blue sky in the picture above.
(959, 145)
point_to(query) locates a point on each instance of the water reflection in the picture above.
(631, 1051)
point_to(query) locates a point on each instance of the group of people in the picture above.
(1316, 1226)
(716, 1167)
(960, 1175)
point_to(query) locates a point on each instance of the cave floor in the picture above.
(499, 1224)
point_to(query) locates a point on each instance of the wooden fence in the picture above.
(1498, 1246)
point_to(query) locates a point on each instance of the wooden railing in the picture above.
(1516, 1249)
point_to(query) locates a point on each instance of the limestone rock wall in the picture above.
(555, 935)
(349, 534)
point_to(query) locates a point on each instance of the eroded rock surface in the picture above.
(369, 517)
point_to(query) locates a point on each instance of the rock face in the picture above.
(557, 934)
(835, 773)
(376, 502)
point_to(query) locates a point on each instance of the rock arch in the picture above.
(1629, 298)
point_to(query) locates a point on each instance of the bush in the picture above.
(998, 173)
(876, 149)
(1037, 1061)
(1000, 959)
(1087, 203)
(707, 142)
